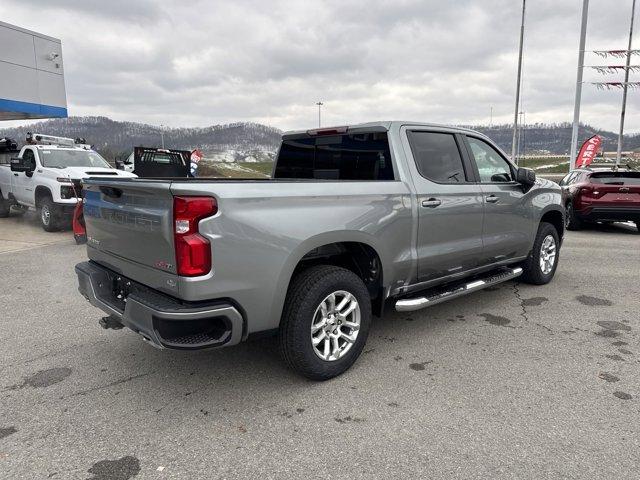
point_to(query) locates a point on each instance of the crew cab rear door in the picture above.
(130, 220)
(450, 208)
(508, 223)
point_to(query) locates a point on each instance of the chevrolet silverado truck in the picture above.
(353, 219)
(46, 175)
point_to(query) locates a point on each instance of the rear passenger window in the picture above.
(437, 156)
(358, 156)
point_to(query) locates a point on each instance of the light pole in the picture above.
(319, 104)
(625, 87)
(576, 105)
(162, 134)
(491, 117)
(518, 82)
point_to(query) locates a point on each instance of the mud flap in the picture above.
(79, 230)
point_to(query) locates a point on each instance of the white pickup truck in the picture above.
(46, 176)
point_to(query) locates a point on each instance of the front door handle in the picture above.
(15, 174)
(492, 199)
(431, 202)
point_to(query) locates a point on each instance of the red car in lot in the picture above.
(600, 194)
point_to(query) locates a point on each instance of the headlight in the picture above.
(67, 192)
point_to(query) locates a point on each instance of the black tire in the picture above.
(573, 222)
(5, 207)
(638, 226)
(306, 292)
(50, 215)
(532, 270)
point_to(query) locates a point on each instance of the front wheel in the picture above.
(50, 216)
(638, 226)
(325, 322)
(541, 265)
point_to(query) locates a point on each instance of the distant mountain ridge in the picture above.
(114, 139)
(253, 142)
(554, 138)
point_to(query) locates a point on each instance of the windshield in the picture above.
(72, 158)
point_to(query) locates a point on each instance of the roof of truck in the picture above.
(383, 124)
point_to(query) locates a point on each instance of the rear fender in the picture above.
(284, 279)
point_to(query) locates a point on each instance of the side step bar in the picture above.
(442, 295)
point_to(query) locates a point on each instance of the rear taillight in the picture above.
(193, 251)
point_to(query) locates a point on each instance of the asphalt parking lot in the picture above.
(512, 382)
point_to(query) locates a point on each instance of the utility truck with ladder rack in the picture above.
(46, 176)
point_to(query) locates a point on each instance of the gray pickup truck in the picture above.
(354, 219)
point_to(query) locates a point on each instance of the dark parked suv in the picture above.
(599, 194)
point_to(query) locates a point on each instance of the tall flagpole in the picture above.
(625, 87)
(515, 115)
(576, 105)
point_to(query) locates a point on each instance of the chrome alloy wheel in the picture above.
(335, 325)
(45, 214)
(547, 254)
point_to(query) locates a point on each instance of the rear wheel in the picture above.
(50, 215)
(5, 207)
(325, 322)
(638, 226)
(541, 265)
(572, 221)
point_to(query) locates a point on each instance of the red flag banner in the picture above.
(588, 151)
(196, 155)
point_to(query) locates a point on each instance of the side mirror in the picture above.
(526, 176)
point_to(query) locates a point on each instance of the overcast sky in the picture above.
(202, 63)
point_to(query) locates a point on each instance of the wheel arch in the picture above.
(555, 216)
(352, 250)
(41, 193)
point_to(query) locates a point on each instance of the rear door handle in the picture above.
(431, 202)
(492, 199)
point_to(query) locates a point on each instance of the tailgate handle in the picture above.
(623, 189)
(111, 192)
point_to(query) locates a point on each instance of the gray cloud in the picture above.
(199, 63)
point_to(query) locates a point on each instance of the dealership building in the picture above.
(31, 75)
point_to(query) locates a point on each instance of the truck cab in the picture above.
(46, 176)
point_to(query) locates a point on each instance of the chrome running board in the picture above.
(436, 295)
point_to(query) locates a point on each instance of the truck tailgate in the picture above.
(131, 219)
